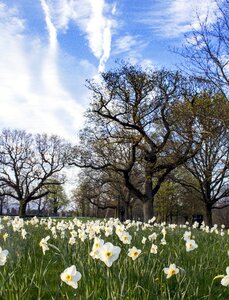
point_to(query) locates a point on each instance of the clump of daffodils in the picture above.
(171, 270)
(71, 277)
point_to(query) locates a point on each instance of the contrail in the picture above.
(106, 47)
(50, 27)
(99, 31)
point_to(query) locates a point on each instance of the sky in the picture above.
(48, 48)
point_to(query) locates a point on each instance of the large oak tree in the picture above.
(140, 124)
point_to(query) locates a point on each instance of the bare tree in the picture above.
(27, 162)
(207, 48)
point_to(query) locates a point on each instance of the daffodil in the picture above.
(152, 237)
(108, 231)
(171, 270)
(97, 243)
(72, 240)
(163, 231)
(44, 245)
(71, 277)
(153, 249)
(225, 280)
(143, 240)
(163, 241)
(23, 233)
(191, 245)
(96, 246)
(187, 235)
(108, 253)
(5, 236)
(125, 237)
(134, 253)
(3, 256)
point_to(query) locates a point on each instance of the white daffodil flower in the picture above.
(43, 244)
(97, 243)
(23, 233)
(70, 276)
(72, 240)
(152, 237)
(187, 235)
(143, 240)
(153, 249)
(95, 248)
(3, 256)
(171, 270)
(125, 237)
(134, 252)
(225, 280)
(191, 245)
(5, 236)
(108, 253)
(163, 241)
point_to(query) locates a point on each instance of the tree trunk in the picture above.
(55, 210)
(209, 215)
(171, 217)
(131, 212)
(148, 210)
(127, 211)
(55, 206)
(39, 207)
(22, 208)
(1, 206)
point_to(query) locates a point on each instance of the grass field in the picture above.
(40, 250)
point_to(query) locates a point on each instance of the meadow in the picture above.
(105, 260)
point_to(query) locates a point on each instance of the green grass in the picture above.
(28, 274)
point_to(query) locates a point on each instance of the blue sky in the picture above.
(49, 47)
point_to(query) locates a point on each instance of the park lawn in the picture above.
(30, 274)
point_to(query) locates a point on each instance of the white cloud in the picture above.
(176, 17)
(131, 47)
(94, 18)
(32, 95)
(125, 44)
